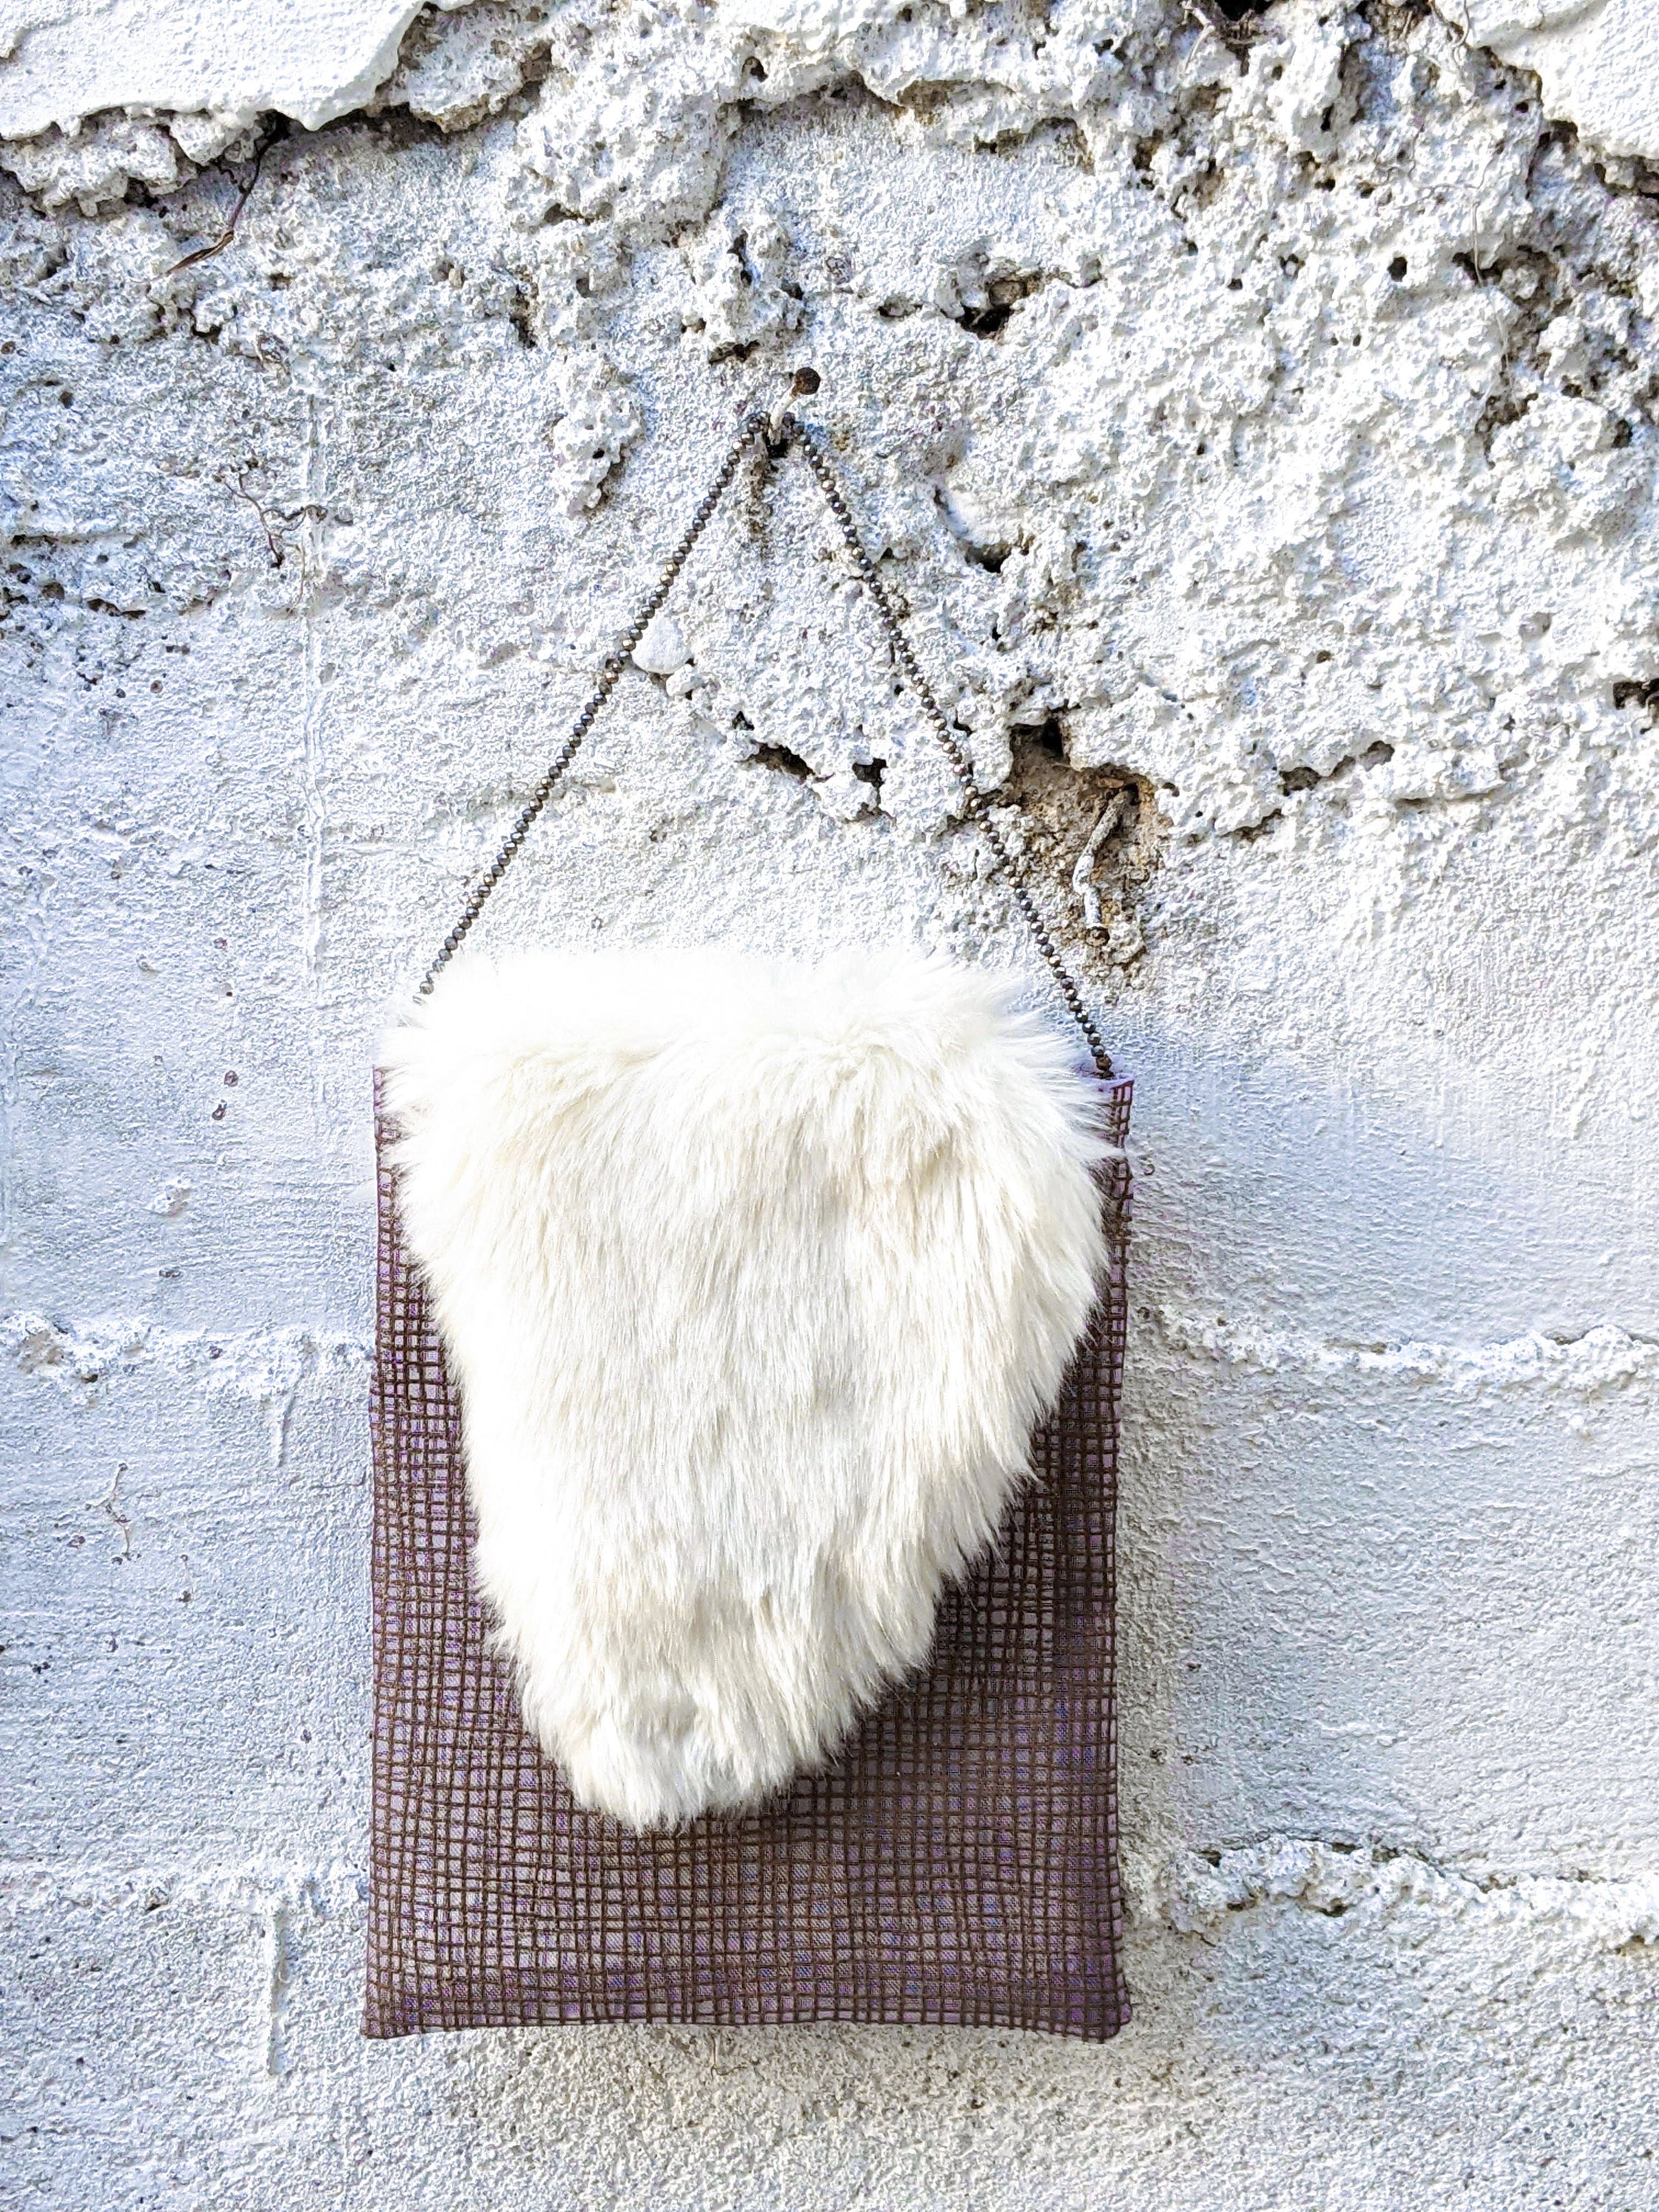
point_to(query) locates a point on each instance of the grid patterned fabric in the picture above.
(956, 1863)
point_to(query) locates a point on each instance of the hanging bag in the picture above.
(747, 1341)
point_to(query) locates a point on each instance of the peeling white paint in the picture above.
(64, 60)
(1598, 62)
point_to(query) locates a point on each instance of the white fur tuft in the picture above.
(755, 1278)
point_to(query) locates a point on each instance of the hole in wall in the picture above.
(1095, 835)
(1302, 778)
(1005, 295)
(781, 757)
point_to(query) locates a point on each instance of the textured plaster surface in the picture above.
(1264, 446)
(1597, 60)
(310, 59)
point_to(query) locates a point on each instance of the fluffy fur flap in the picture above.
(755, 1278)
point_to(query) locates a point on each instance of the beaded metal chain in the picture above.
(774, 440)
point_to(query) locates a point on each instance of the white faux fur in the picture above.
(755, 1278)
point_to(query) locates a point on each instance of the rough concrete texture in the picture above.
(1597, 62)
(1263, 443)
(310, 59)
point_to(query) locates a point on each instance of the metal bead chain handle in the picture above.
(778, 438)
(887, 614)
(754, 426)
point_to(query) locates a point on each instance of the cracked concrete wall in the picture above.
(1263, 442)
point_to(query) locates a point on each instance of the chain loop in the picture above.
(775, 436)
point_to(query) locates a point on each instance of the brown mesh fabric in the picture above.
(956, 1864)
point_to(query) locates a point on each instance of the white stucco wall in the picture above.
(1597, 62)
(1307, 480)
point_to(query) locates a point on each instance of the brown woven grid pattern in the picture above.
(956, 1864)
